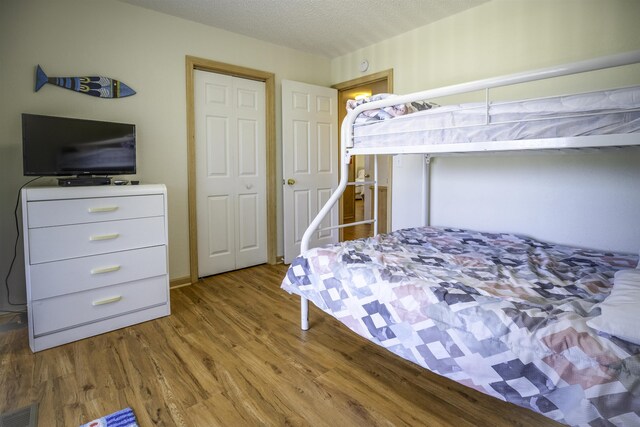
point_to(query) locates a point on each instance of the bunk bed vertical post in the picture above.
(345, 158)
(304, 313)
(375, 195)
(487, 116)
(427, 190)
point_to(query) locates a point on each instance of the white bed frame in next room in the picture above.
(349, 148)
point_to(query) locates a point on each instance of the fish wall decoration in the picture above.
(102, 87)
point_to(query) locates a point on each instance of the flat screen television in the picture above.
(63, 146)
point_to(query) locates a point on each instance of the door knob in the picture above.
(291, 181)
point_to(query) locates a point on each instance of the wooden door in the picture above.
(309, 161)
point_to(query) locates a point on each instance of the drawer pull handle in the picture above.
(105, 269)
(107, 300)
(103, 209)
(104, 237)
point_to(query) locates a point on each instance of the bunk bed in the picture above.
(545, 326)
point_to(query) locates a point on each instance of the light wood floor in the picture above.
(232, 354)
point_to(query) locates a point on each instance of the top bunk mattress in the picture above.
(608, 112)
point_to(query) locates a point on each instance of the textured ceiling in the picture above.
(325, 27)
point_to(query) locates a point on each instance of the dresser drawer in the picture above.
(80, 308)
(74, 241)
(76, 211)
(50, 279)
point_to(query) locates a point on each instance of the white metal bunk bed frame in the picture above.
(348, 149)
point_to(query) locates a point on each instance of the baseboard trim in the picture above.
(180, 282)
(280, 259)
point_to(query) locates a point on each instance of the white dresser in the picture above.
(95, 259)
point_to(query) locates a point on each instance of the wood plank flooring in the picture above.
(232, 354)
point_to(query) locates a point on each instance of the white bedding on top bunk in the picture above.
(607, 112)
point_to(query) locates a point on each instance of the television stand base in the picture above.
(81, 181)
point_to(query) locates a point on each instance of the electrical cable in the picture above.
(15, 250)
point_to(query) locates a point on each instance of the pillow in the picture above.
(620, 311)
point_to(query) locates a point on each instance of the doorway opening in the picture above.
(356, 203)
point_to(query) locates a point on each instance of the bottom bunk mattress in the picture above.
(503, 314)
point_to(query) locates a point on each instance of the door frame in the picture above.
(194, 63)
(350, 85)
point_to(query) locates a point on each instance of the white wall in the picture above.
(588, 199)
(145, 50)
(409, 192)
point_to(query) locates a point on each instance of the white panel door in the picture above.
(230, 172)
(310, 161)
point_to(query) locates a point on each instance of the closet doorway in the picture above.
(356, 203)
(233, 225)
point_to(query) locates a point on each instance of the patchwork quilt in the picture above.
(501, 313)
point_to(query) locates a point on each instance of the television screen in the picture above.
(61, 146)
